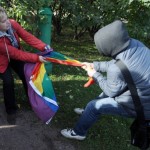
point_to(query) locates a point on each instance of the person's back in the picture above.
(137, 59)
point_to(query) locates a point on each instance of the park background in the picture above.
(73, 26)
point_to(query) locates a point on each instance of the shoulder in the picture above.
(14, 23)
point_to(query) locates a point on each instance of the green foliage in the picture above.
(137, 24)
(25, 11)
(90, 15)
(83, 15)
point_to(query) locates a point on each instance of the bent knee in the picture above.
(92, 105)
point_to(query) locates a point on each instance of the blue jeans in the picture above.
(94, 110)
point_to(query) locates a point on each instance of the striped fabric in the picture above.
(40, 89)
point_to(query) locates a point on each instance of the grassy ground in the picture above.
(110, 133)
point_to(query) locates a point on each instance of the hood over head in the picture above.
(112, 39)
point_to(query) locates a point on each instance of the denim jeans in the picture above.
(94, 110)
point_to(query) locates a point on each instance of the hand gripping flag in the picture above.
(40, 89)
(55, 57)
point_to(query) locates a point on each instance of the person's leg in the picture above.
(94, 110)
(18, 67)
(92, 113)
(8, 91)
(79, 111)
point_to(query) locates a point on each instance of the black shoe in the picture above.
(11, 118)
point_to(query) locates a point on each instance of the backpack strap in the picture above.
(131, 86)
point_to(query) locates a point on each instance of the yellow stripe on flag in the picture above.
(39, 79)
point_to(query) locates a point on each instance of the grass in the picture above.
(109, 133)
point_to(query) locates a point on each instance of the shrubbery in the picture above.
(84, 16)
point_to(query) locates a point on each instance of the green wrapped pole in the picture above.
(45, 21)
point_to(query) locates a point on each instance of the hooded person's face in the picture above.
(4, 23)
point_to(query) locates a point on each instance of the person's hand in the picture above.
(87, 65)
(42, 59)
(90, 71)
(48, 48)
(89, 68)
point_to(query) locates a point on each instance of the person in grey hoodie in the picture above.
(113, 41)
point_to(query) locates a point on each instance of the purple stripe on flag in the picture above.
(38, 105)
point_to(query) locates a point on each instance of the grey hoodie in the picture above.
(112, 39)
(117, 44)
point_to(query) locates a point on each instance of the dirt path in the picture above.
(30, 134)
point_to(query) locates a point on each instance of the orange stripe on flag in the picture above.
(64, 62)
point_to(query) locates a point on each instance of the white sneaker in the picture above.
(78, 111)
(69, 133)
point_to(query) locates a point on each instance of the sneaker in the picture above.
(69, 133)
(78, 111)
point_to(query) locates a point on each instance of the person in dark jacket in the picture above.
(12, 56)
(113, 41)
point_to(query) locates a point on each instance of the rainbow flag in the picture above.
(41, 93)
(40, 89)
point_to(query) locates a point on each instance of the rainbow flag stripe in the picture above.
(40, 89)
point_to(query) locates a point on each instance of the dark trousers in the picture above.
(8, 84)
